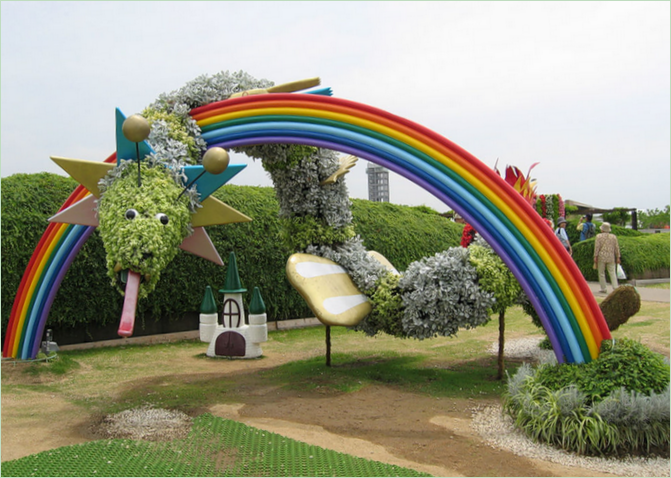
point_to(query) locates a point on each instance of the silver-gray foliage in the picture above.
(570, 399)
(207, 89)
(633, 409)
(441, 295)
(297, 183)
(364, 270)
(199, 92)
(518, 380)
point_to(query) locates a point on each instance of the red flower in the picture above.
(467, 235)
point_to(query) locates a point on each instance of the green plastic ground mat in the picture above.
(215, 447)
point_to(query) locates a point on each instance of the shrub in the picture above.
(619, 306)
(621, 363)
(494, 277)
(440, 295)
(387, 313)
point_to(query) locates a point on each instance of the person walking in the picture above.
(562, 235)
(586, 227)
(606, 256)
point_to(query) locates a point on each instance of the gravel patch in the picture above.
(498, 431)
(525, 348)
(146, 423)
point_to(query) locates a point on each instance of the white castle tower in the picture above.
(234, 337)
(208, 316)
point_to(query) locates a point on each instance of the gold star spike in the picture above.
(215, 212)
(86, 173)
(346, 163)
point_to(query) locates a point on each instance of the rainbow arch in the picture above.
(51, 259)
(570, 315)
(555, 286)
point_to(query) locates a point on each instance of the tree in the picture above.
(619, 216)
(654, 218)
(495, 277)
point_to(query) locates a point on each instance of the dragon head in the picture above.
(143, 226)
(147, 209)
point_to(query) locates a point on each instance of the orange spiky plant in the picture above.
(522, 184)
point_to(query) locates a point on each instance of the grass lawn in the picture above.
(97, 382)
(459, 366)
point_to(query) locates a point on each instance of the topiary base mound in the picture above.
(615, 405)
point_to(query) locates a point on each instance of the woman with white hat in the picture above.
(606, 256)
(561, 234)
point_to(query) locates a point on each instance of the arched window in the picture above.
(231, 312)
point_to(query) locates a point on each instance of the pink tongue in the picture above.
(128, 314)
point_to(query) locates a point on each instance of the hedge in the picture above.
(647, 252)
(393, 231)
(86, 298)
(402, 234)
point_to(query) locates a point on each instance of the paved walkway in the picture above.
(647, 293)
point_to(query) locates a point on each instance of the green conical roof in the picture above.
(232, 284)
(257, 306)
(208, 305)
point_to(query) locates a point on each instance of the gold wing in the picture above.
(346, 163)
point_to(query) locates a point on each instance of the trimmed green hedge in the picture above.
(402, 234)
(640, 253)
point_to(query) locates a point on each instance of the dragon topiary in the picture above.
(157, 198)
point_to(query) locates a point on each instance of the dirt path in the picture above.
(378, 422)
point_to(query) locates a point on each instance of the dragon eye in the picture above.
(131, 214)
(162, 217)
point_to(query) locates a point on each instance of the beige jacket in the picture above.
(606, 248)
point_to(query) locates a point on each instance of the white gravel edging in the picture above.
(497, 430)
(526, 347)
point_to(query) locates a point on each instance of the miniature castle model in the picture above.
(233, 337)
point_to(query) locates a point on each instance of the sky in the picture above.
(582, 88)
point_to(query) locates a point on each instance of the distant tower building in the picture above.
(378, 183)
